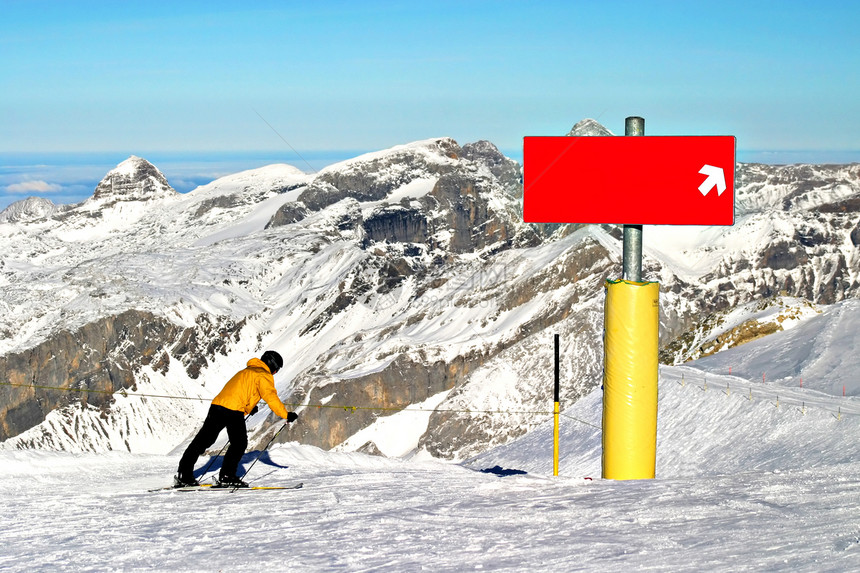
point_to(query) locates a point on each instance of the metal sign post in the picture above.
(632, 257)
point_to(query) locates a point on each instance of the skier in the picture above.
(237, 399)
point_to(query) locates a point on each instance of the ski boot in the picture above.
(231, 482)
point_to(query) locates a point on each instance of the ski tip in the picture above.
(273, 487)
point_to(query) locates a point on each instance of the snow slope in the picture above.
(751, 476)
(822, 351)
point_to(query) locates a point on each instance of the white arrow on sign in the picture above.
(716, 178)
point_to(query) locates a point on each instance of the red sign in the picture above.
(636, 180)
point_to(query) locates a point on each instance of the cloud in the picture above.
(34, 187)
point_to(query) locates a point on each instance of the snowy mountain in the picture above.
(396, 278)
(590, 127)
(28, 209)
(135, 179)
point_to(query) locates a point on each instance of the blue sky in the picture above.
(158, 77)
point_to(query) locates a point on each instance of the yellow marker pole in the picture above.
(555, 412)
(630, 380)
(555, 442)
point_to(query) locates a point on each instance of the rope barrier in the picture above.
(581, 421)
(424, 410)
(763, 394)
(127, 394)
(802, 404)
(121, 392)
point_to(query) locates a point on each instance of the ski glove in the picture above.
(254, 410)
(292, 417)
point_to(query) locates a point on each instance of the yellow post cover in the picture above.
(630, 363)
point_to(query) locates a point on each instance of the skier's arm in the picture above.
(270, 395)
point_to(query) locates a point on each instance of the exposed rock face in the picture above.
(477, 414)
(506, 170)
(466, 212)
(219, 202)
(397, 224)
(782, 256)
(326, 424)
(99, 359)
(398, 239)
(94, 361)
(788, 238)
(818, 188)
(288, 214)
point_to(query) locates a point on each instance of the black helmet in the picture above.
(273, 360)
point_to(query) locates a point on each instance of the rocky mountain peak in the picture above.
(28, 209)
(589, 126)
(374, 176)
(505, 169)
(135, 179)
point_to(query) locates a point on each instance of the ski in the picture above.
(208, 487)
(213, 487)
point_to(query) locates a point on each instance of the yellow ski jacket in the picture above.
(244, 390)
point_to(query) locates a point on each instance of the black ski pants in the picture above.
(216, 420)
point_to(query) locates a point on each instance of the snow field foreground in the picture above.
(742, 485)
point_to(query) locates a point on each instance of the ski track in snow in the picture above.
(743, 485)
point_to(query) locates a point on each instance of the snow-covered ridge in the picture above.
(436, 150)
(28, 209)
(803, 187)
(260, 180)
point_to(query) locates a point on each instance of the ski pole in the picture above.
(261, 452)
(212, 460)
